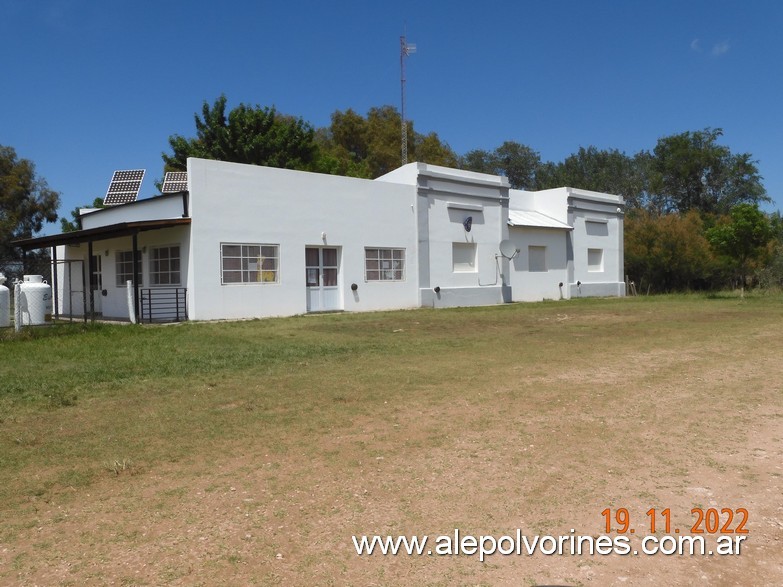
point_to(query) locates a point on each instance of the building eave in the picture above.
(99, 233)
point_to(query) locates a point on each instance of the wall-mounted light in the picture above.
(468, 223)
(106, 253)
(323, 236)
(144, 250)
(437, 289)
(354, 287)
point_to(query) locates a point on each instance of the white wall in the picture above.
(583, 210)
(407, 174)
(419, 208)
(598, 224)
(233, 203)
(159, 207)
(446, 197)
(69, 283)
(115, 304)
(445, 227)
(531, 286)
(553, 202)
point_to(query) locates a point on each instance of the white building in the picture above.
(247, 241)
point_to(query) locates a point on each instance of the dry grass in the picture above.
(249, 453)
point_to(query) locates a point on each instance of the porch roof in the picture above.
(99, 233)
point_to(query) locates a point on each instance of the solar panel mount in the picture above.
(124, 187)
(174, 182)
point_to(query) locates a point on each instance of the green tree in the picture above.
(771, 274)
(668, 253)
(342, 146)
(349, 131)
(370, 147)
(610, 171)
(430, 149)
(478, 160)
(26, 203)
(248, 134)
(691, 171)
(742, 237)
(518, 162)
(75, 223)
(383, 140)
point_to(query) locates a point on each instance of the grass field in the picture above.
(249, 453)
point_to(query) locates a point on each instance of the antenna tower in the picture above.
(406, 49)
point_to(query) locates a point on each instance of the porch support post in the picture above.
(56, 296)
(135, 240)
(87, 279)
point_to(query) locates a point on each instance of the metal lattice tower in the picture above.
(406, 49)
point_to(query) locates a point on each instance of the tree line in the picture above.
(692, 217)
(692, 205)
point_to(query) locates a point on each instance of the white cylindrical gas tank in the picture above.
(5, 303)
(36, 300)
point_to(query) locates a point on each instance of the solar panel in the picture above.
(175, 181)
(124, 187)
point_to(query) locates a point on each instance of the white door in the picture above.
(321, 269)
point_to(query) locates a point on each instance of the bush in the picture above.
(669, 252)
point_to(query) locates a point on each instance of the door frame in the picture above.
(95, 281)
(321, 297)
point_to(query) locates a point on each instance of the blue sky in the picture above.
(90, 87)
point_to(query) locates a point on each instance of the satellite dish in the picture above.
(507, 249)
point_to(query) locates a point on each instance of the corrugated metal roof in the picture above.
(535, 219)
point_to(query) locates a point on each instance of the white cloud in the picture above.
(717, 50)
(720, 49)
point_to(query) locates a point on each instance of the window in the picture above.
(312, 267)
(164, 266)
(536, 258)
(595, 260)
(249, 263)
(463, 257)
(329, 267)
(384, 264)
(124, 266)
(321, 266)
